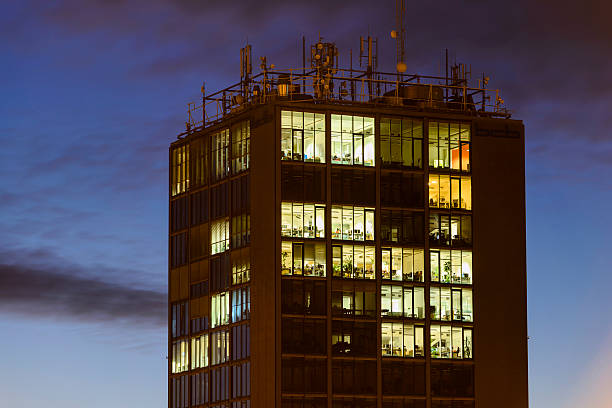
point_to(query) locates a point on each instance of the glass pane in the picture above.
(358, 149)
(347, 148)
(396, 301)
(467, 343)
(309, 221)
(336, 148)
(396, 264)
(434, 303)
(320, 221)
(358, 224)
(298, 135)
(286, 220)
(434, 190)
(407, 265)
(370, 262)
(466, 193)
(286, 258)
(444, 157)
(445, 193)
(309, 148)
(347, 223)
(408, 303)
(456, 301)
(385, 331)
(309, 259)
(397, 334)
(419, 302)
(359, 262)
(466, 267)
(337, 261)
(445, 342)
(419, 342)
(320, 260)
(385, 300)
(347, 261)
(286, 144)
(408, 340)
(456, 341)
(336, 222)
(435, 341)
(466, 305)
(445, 266)
(298, 220)
(445, 304)
(434, 266)
(369, 227)
(297, 259)
(319, 154)
(386, 263)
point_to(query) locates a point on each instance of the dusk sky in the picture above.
(93, 92)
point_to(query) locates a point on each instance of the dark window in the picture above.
(449, 380)
(199, 289)
(220, 384)
(180, 319)
(403, 378)
(199, 324)
(199, 388)
(452, 404)
(220, 273)
(403, 227)
(240, 231)
(241, 342)
(241, 201)
(199, 207)
(353, 186)
(178, 250)
(303, 297)
(198, 242)
(304, 336)
(404, 403)
(179, 394)
(178, 214)
(401, 143)
(301, 375)
(353, 299)
(302, 183)
(219, 203)
(241, 383)
(354, 377)
(401, 190)
(219, 154)
(347, 402)
(353, 338)
(199, 161)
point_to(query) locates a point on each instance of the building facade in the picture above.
(334, 253)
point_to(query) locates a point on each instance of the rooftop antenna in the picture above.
(246, 69)
(400, 35)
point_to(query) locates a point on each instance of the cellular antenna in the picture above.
(399, 34)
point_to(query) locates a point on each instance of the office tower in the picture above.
(347, 238)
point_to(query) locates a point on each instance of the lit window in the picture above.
(241, 144)
(241, 266)
(219, 236)
(241, 304)
(354, 261)
(303, 258)
(303, 136)
(220, 157)
(450, 342)
(405, 264)
(180, 170)
(180, 356)
(302, 220)
(199, 352)
(398, 301)
(450, 192)
(220, 309)
(448, 266)
(449, 146)
(401, 340)
(352, 140)
(352, 223)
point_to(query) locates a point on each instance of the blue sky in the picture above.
(94, 92)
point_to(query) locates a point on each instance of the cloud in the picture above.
(52, 288)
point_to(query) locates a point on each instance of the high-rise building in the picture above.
(347, 238)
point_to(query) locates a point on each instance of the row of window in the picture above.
(359, 262)
(352, 141)
(453, 192)
(210, 159)
(211, 349)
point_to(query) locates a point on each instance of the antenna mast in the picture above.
(400, 35)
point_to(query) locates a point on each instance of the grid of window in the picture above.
(405, 264)
(220, 309)
(398, 301)
(219, 236)
(180, 356)
(354, 261)
(402, 340)
(199, 352)
(401, 143)
(179, 170)
(352, 223)
(305, 258)
(219, 347)
(241, 144)
(446, 230)
(450, 266)
(352, 140)
(303, 136)
(449, 146)
(302, 220)
(450, 341)
(447, 191)
(450, 304)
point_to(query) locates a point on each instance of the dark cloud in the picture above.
(52, 288)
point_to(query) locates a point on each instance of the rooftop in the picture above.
(323, 82)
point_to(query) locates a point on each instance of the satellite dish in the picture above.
(401, 67)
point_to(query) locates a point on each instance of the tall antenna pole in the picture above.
(400, 35)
